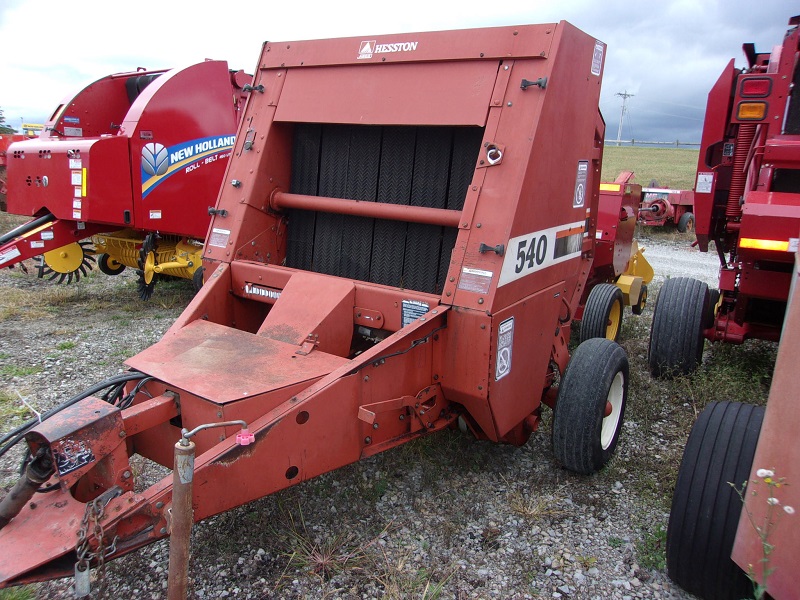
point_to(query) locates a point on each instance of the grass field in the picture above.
(670, 167)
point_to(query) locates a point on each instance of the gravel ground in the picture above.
(443, 517)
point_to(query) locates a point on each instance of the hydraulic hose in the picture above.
(10, 439)
(25, 228)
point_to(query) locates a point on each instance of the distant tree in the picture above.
(3, 127)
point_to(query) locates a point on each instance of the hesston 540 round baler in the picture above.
(404, 234)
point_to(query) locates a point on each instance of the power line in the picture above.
(624, 95)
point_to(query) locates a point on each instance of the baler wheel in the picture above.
(197, 278)
(676, 335)
(638, 308)
(705, 508)
(591, 406)
(67, 263)
(686, 223)
(146, 282)
(602, 316)
(109, 265)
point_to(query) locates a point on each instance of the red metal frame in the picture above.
(274, 346)
(746, 199)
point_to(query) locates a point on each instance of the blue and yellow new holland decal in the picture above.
(160, 162)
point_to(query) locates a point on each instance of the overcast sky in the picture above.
(667, 54)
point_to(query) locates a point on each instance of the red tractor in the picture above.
(747, 202)
(404, 234)
(126, 169)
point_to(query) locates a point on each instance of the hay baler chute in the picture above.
(137, 157)
(404, 233)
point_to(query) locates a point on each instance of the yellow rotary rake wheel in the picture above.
(147, 262)
(67, 263)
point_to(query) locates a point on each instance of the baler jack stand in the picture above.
(181, 512)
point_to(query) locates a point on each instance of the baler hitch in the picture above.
(36, 473)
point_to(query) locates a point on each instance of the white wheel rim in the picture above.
(611, 422)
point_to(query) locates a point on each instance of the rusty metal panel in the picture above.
(407, 94)
(224, 364)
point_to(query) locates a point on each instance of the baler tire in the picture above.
(638, 308)
(686, 223)
(584, 438)
(705, 508)
(197, 278)
(676, 334)
(109, 266)
(602, 315)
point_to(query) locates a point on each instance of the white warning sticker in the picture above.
(76, 177)
(579, 197)
(219, 237)
(75, 163)
(541, 249)
(505, 341)
(597, 57)
(475, 280)
(37, 244)
(47, 235)
(155, 214)
(704, 183)
(9, 254)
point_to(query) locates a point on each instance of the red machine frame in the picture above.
(328, 368)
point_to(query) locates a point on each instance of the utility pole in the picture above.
(625, 95)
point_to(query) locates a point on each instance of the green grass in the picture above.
(18, 593)
(670, 167)
(66, 345)
(15, 371)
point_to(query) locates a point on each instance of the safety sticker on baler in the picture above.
(8, 254)
(160, 162)
(219, 237)
(597, 57)
(505, 340)
(413, 310)
(579, 198)
(475, 280)
(533, 252)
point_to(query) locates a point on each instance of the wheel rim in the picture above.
(65, 259)
(614, 319)
(149, 267)
(610, 423)
(690, 226)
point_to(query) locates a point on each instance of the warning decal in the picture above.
(505, 340)
(219, 237)
(704, 183)
(597, 57)
(579, 198)
(413, 310)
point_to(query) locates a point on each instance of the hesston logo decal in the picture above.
(370, 47)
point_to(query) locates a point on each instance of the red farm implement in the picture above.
(127, 169)
(661, 206)
(713, 545)
(404, 234)
(747, 202)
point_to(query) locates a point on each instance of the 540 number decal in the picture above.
(541, 249)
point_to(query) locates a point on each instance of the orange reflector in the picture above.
(751, 111)
(609, 187)
(777, 245)
(756, 87)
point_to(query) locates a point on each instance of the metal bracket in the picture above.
(311, 342)
(499, 249)
(541, 82)
(217, 211)
(248, 87)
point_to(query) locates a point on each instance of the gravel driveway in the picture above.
(443, 517)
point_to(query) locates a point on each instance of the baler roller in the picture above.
(360, 208)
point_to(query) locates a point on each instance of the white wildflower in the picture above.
(788, 510)
(773, 501)
(765, 473)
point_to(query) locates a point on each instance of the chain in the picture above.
(95, 510)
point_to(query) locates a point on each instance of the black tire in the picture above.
(686, 223)
(602, 316)
(197, 278)
(676, 335)
(705, 508)
(109, 266)
(638, 308)
(584, 439)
